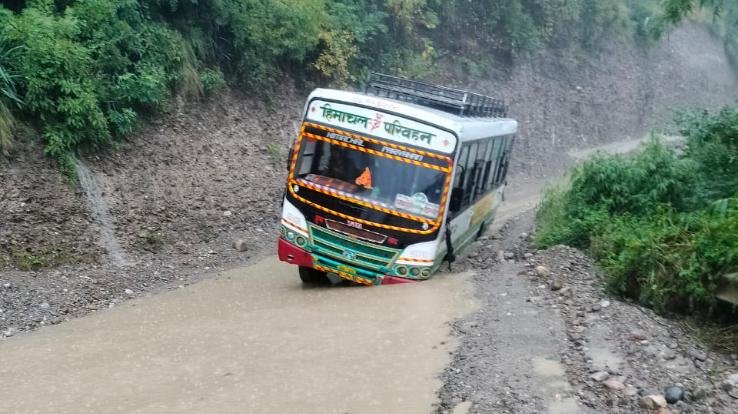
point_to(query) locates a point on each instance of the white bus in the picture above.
(385, 186)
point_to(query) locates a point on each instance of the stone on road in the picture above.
(249, 340)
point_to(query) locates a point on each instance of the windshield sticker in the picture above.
(365, 179)
(400, 153)
(380, 124)
(417, 204)
(344, 138)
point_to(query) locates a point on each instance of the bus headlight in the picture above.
(401, 270)
(290, 235)
(300, 241)
(425, 272)
(414, 272)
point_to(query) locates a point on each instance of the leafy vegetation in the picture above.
(663, 225)
(85, 72)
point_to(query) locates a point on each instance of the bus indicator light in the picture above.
(392, 241)
(319, 219)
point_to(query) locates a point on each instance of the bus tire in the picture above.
(309, 275)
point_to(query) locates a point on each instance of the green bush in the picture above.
(664, 227)
(212, 81)
(8, 98)
(89, 70)
(713, 144)
(86, 72)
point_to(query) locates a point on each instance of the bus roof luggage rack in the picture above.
(455, 101)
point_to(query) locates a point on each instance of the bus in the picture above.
(385, 186)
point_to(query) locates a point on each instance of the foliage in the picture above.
(663, 226)
(84, 73)
(725, 13)
(713, 143)
(88, 71)
(212, 81)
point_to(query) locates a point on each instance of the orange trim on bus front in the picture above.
(358, 220)
(381, 154)
(291, 181)
(376, 141)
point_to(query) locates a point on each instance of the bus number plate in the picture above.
(347, 269)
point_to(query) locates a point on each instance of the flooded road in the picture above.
(249, 340)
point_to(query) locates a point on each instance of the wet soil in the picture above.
(253, 340)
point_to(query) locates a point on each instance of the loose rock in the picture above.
(652, 402)
(637, 336)
(542, 271)
(613, 384)
(732, 380)
(698, 355)
(674, 394)
(600, 376)
(240, 245)
(556, 284)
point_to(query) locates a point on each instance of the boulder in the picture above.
(240, 245)
(652, 402)
(674, 394)
(542, 271)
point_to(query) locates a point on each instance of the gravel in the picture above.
(613, 353)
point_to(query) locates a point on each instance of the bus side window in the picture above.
(457, 193)
(471, 172)
(509, 140)
(503, 159)
(488, 166)
(481, 166)
(494, 160)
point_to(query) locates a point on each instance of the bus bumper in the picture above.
(293, 255)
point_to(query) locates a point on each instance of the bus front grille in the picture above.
(351, 251)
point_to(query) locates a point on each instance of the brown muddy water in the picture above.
(248, 340)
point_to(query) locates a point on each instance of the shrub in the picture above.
(212, 81)
(664, 227)
(86, 72)
(8, 97)
(712, 141)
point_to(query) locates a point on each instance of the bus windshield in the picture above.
(375, 179)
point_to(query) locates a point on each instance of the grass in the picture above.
(43, 258)
(7, 126)
(721, 338)
(152, 241)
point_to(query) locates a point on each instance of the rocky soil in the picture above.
(180, 193)
(548, 338)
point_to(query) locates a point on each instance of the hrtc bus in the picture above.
(386, 185)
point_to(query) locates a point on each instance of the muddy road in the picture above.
(248, 340)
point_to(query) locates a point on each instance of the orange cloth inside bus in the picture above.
(365, 179)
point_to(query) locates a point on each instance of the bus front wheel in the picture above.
(312, 276)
